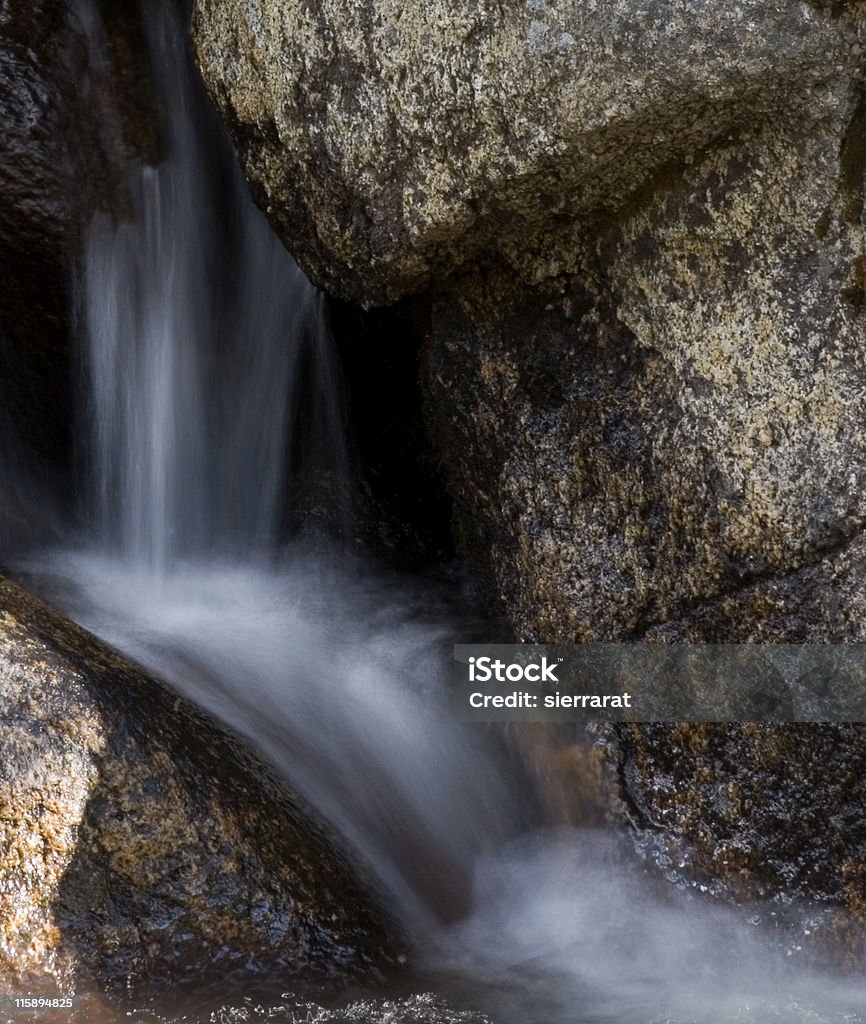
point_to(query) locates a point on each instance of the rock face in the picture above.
(139, 844)
(390, 146)
(72, 96)
(682, 417)
(771, 816)
(637, 235)
(641, 233)
(72, 93)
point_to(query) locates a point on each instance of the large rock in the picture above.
(644, 228)
(770, 816)
(391, 145)
(671, 449)
(677, 427)
(638, 230)
(140, 845)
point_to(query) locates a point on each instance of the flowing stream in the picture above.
(212, 411)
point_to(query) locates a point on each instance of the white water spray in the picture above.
(212, 399)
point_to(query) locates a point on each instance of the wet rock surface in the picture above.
(417, 1009)
(140, 845)
(771, 816)
(75, 103)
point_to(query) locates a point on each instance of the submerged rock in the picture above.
(425, 1008)
(140, 845)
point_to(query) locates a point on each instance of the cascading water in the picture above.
(211, 398)
(197, 327)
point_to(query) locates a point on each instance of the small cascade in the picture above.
(212, 413)
(211, 396)
(210, 384)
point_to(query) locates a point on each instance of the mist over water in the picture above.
(338, 678)
(566, 929)
(211, 399)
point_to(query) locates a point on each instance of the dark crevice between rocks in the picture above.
(839, 8)
(463, 466)
(31, 477)
(404, 513)
(852, 161)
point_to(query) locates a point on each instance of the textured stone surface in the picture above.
(140, 845)
(645, 334)
(391, 144)
(772, 816)
(639, 234)
(680, 421)
(74, 94)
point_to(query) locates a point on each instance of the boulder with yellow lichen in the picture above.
(140, 844)
(633, 239)
(637, 231)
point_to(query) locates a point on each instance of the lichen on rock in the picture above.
(682, 417)
(639, 231)
(637, 236)
(391, 145)
(141, 846)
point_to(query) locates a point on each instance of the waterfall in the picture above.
(211, 403)
(211, 409)
(198, 329)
